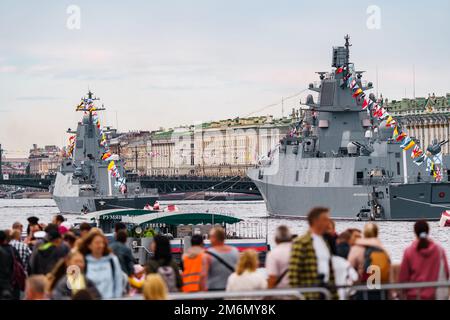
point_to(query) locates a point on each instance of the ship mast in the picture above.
(347, 50)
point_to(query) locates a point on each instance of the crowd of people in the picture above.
(54, 261)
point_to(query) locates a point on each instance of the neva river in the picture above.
(394, 235)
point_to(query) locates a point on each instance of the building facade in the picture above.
(132, 150)
(45, 160)
(230, 147)
(221, 148)
(426, 119)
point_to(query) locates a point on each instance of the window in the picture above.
(397, 154)
(398, 168)
(327, 177)
(296, 175)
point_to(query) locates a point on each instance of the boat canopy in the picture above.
(140, 217)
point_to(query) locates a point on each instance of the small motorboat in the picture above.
(445, 219)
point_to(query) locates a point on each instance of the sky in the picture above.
(169, 63)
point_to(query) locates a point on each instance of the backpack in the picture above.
(18, 276)
(374, 256)
(168, 274)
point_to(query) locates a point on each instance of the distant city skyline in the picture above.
(163, 64)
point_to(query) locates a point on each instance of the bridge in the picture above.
(165, 185)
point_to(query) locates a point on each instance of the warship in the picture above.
(340, 156)
(85, 181)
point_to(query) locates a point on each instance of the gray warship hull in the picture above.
(340, 154)
(346, 203)
(77, 205)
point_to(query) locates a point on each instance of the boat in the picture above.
(445, 219)
(90, 178)
(179, 226)
(346, 152)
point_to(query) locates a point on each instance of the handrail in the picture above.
(399, 285)
(296, 292)
(292, 292)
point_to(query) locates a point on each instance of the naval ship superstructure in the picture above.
(341, 157)
(84, 183)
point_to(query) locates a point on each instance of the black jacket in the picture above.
(45, 256)
(6, 271)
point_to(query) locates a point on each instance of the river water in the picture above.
(396, 236)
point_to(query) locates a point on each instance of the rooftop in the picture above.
(430, 104)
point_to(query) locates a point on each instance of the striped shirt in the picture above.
(23, 250)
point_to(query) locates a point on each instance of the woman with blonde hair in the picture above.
(246, 277)
(367, 254)
(154, 287)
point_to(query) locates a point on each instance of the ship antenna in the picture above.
(347, 49)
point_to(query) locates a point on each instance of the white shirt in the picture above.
(277, 262)
(323, 256)
(247, 281)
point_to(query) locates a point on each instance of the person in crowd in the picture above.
(137, 279)
(70, 239)
(163, 263)
(32, 228)
(6, 268)
(221, 260)
(84, 294)
(331, 236)
(310, 263)
(154, 287)
(68, 277)
(32, 222)
(344, 275)
(22, 249)
(84, 229)
(246, 277)
(424, 260)
(123, 252)
(119, 226)
(101, 266)
(35, 288)
(345, 240)
(366, 253)
(195, 267)
(59, 220)
(277, 260)
(17, 226)
(48, 253)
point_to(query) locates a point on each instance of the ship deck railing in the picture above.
(389, 291)
(385, 180)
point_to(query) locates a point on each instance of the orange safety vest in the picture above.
(192, 272)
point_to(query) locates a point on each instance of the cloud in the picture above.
(8, 69)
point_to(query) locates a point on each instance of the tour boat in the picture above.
(445, 219)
